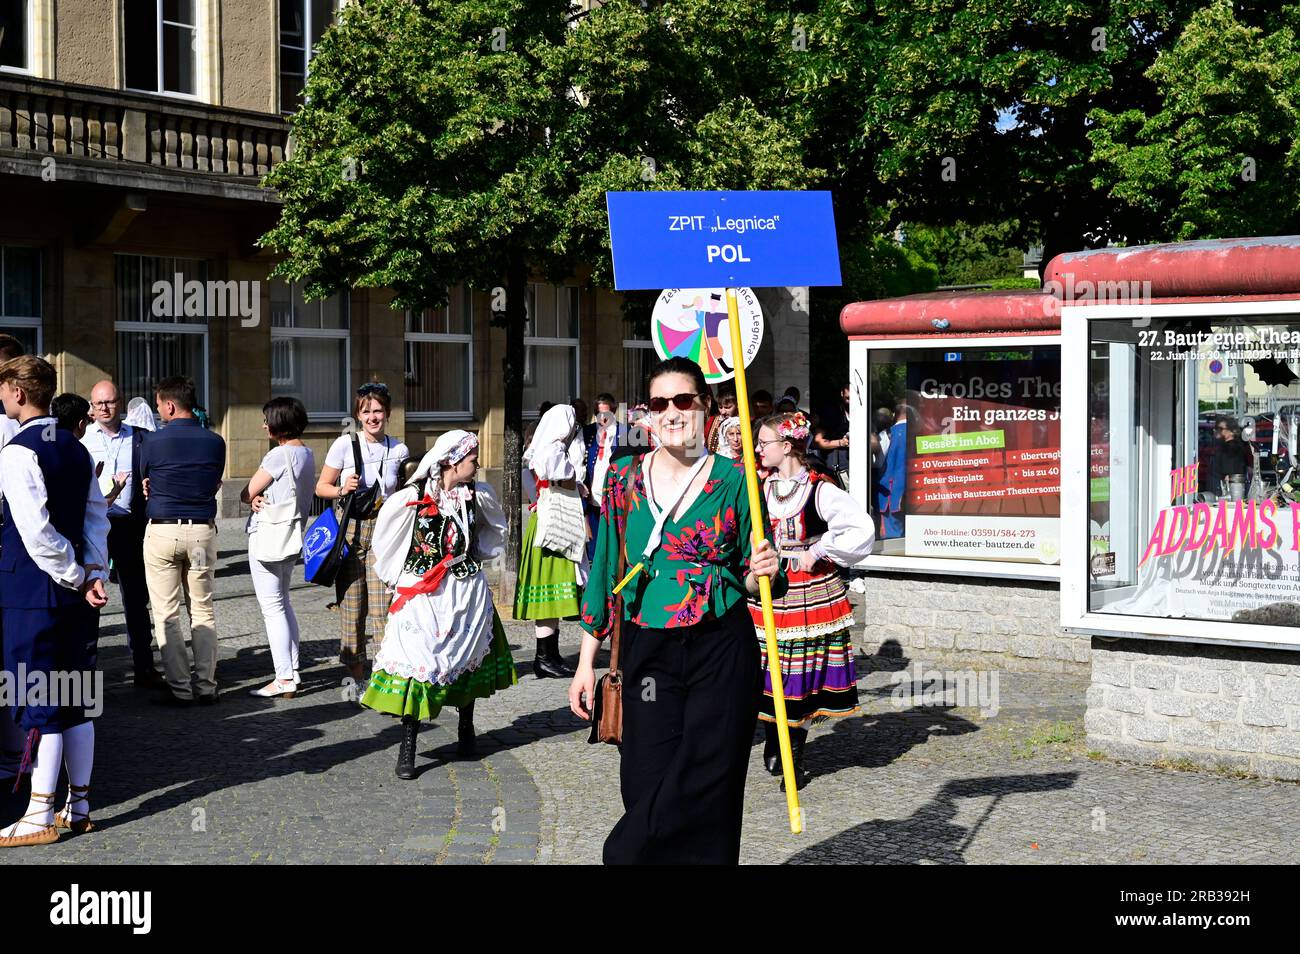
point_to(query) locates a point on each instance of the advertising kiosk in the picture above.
(1180, 497)
(954, 439)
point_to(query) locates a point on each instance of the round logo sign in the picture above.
(693, 323)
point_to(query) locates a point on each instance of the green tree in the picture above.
(969, 254)
(447, 142)
(1220, 156)
(977, 111)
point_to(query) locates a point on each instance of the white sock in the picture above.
(546, 628)
(79, 754)
(45, 777)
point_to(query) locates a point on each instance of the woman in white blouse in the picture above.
(818, 528)
(362, 598)
(287, 474)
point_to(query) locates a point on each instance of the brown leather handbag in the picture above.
(607, 706)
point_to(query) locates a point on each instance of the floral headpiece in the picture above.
(467, 443)
(794, 428)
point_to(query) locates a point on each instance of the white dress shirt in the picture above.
(23, 485)
(114, 452)
(8, 428)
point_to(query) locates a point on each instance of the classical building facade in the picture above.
(133, 138)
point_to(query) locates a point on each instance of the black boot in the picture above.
(556, 659)
(801, 778)
(771, 749)
(406, 754)
(547, 664)
(466, 744)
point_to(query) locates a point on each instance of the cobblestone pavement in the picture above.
(311, 779)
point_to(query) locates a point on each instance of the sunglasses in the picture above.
(372, 389)
(683, 402)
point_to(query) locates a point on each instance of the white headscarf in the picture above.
(724, 447)
(396, 520)
(557, 451)
(139, 415)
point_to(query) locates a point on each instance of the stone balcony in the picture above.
(136, 141)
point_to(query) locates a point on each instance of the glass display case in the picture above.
(1181, 492)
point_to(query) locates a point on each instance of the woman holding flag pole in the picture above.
(690, 667)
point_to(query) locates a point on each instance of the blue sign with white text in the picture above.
(722, 239)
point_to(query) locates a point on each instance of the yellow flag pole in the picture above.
(759, 532)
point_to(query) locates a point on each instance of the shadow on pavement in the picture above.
(929, 834)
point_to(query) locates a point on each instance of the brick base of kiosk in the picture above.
(983, 624)
(1215, 707)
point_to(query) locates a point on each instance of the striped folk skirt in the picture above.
(816, 663)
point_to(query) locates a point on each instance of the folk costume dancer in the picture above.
(444, 644)
(817, 527)
(53, 565)
(550, 583)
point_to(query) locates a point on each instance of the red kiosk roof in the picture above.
(953, 314)
(1217, 270)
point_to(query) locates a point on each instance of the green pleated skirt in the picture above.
(410, 697)
(547, 587)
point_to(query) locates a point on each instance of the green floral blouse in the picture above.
(698, 571)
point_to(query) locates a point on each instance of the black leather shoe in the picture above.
(544, 668)
(466, 743)
(771, 749)
(171, 700)
(406, 752)
(801, 778)
(151, 679)
(209, 699)
(549, 650)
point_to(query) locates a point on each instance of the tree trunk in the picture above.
(513, 367)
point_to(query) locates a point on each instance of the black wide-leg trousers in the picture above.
(690, 704)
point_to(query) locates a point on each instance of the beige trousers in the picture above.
(180, 561)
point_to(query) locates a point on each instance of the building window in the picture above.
(162, 46)
(162, 323)
(310, 357)
(440, 359)
(970, 455)
(550, 346)
(16, 35)
(302, 23)
(639, 358)
(20, 295)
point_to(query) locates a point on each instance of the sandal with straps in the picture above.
(65, 819)
(45, 834)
